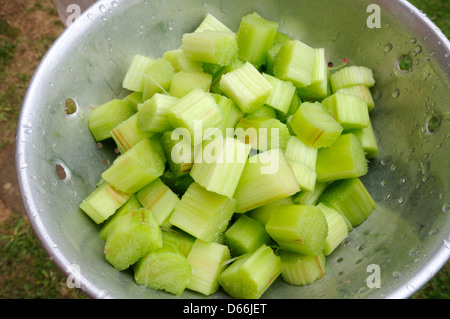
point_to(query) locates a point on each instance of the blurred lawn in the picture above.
(438, 11)
(25, 269)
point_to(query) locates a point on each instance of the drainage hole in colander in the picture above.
(70, 106)
(405, 63)
(62, 171)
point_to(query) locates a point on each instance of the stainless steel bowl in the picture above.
(407, 237)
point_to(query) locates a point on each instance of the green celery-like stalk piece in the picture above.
(152, 114)
(160, 200)
(305, 176)
(344, 159)
(293, 107)
(165, 269)
(247, 87)
(266, 178)
(348, 110)
(134, 79)
(182, 240)
(320, 85)
(263, 213)
(250, 276)
(310, 198)
(210, 22)
(351, 76)
(178, 185)
(203, 214)
(298, 228)
(197, 106)
(134, 99)
(368, 141)
(265, 111)
(103, 202)
(231, 114)
(134, 235)
(298, 151)
(301, 270)
(184, 82)
(219, 166)
(136, 168)
(107, 116)
(314, 125)
(155, 141)
(128, 133)
(216, 47)
(361, 91)
(158, 79)
(337, 228)
(282, 93)
(207, 261)
(130, 205)
(179, 152)
(217, 76)
(295, 62)
(245, 235)
(255, 37)
(262, 134)
(350, 198)
(280, 39)
(216, 72)
(181, 62)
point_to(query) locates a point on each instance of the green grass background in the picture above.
(25, 268)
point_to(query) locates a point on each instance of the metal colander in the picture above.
(404, 242)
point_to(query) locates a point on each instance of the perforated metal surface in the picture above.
(408, 234)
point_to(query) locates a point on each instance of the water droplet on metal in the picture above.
(433, 124)
(396, 274)
(386, 160)
(170, 25)
(418, 49)
(445, 207)
(377, 94)
(102, 8)
(395, 94)
(388, 47)
(433, 232)
(425, 167)
(413, 251)
(426, 178)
